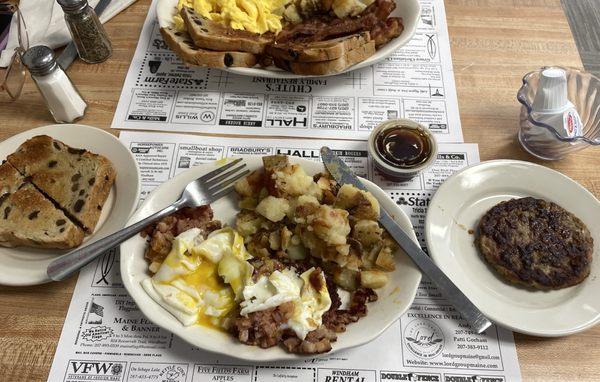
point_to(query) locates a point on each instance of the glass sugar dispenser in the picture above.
(560, 112)
(89, 36)
(62, 98)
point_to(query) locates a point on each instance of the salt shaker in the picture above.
(89, 36)
(62, 98)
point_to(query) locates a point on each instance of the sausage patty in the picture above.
(536, 243)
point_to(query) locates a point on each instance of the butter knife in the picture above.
(344, 175)
(69, 55)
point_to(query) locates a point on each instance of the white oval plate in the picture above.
(457, 207)
(394, 299)
(27, 266)
(409, 10)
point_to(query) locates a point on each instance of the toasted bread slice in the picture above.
(208, 34)
(183, 45)
(77, 180)
(27, 218)
(320, 50)
(352, 57)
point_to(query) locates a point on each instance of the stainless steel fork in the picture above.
(204, 190)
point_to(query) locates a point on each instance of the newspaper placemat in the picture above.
(416, 82)
(106, 337)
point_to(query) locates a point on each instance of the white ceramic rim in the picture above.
(121, 203)
(409, 10)
(441, 251)
(365, 330)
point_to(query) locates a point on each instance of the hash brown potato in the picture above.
(535, 243)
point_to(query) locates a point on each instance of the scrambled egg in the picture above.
(202, 281)
(257, 16)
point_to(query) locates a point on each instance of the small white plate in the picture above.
(27, 266)
(394, 299)
(408, 10)
(451, 225)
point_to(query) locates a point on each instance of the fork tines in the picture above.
(219, 183)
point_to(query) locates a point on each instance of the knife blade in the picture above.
(476, 319)
(69, 55)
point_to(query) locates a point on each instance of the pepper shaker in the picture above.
(89, 36)
(62, 98)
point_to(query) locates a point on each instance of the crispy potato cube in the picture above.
(315, 190)
(373, 279)
(360, 204)
(273, 162)
(248, 223)
(385, 260)
(293, 181)
(248, 203)
(274, 240)
(250, 185)
(328, 186)
(274, 209)
(285, 236)
(302, 207)
(353, 262)
(369, 257)
(346, 196)
(262, 194)
(296, 252)
(331, 225)
(368, 232)
(367, 207)
(346, 278)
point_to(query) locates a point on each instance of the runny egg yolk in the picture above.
(202, 282)
(206, 278)
(190, 283)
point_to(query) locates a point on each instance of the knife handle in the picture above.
(455, 296)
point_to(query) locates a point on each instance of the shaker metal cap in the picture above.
(39, 60)
(72, 5)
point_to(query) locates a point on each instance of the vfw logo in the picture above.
(95, 371)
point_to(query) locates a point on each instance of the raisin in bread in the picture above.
(212, 35)
(27, 218)
(77, 180)
(182, 44)
(337, 65)
(320, 50)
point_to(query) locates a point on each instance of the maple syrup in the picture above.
(403, 146)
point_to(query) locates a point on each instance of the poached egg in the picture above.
(203, 281)
(310, 298)
(192, 284)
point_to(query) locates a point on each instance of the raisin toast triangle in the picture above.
(208, 34)
(75, 179)
(337, 65)
(183, 45)
(319, 50)
(27, 218)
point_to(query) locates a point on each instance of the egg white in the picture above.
(201, 281)
(280, 287)
(188, 283)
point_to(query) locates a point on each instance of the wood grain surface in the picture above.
(494, 42)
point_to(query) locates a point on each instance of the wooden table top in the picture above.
(494, 42)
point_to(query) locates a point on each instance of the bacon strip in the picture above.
(328, 27)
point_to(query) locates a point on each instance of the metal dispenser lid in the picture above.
(40, 60)
(70, 6)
